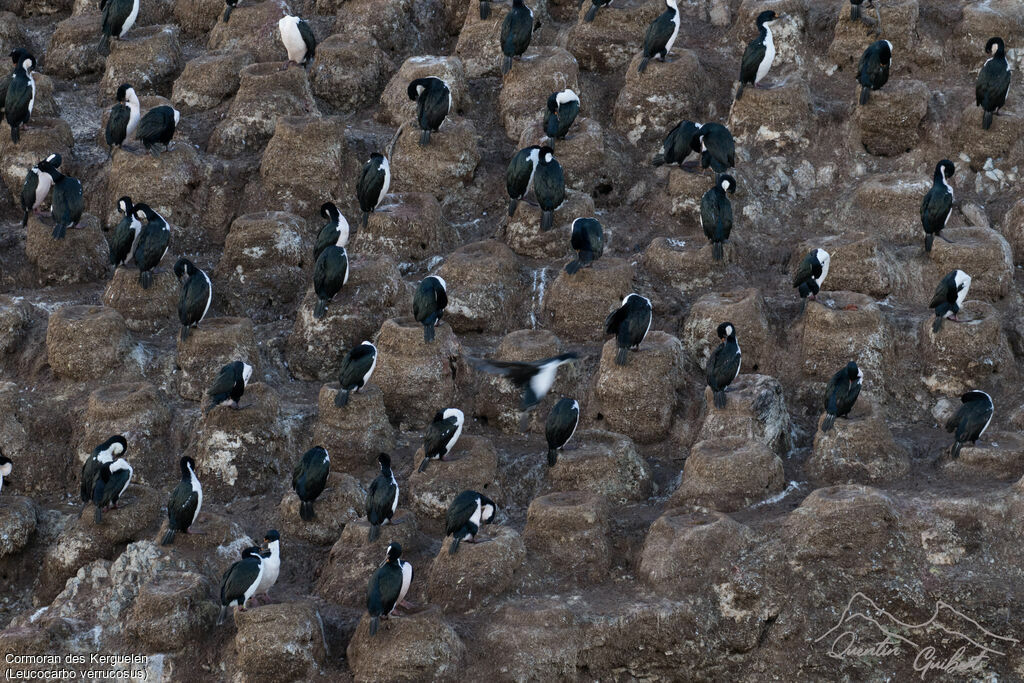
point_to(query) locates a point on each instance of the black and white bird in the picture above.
(271, 554)
(152, 243)
(516, 32)
(993, 81)
(937, 204)
(388, 585)
(534, 378)
(110, 485)
(196, 295)
(560, 426)
(563, 107)
(231, 5)
(381, 497)
(356, 369)
(126, 233)
(309, 479)
(716, 213)
(5, 77)
(519, 175)
(240, 582)
(428, 304)
(37, 186)
(6, 467)
(873, 70)
(118, 18)
(157, 127)
(373, 184)
(759, 55)
(629, 323)
(433, 100)
(811, 272)
(103, 454)
(717, 147)
(971, 420)
(855, 13)
(229, 387)
(678, 144)
(20, 97)
(124, 117)
(724, 363)
(594, 6)
(661, 35)
(466, 514)
(334, 232)
(949, 297)
(442, 434)
(587, 241)
(68, 203)
(185, 502)
(298, 40)
(841, 393)
(548, 186)
(330, 274)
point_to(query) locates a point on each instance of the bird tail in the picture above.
(374, 532)
(643, 65)
(717, 252)
(15, 134)
(366, 218)
(24, 220)
(59, 230)
(341, 398)
(306, 511)
(227, 13)
(622, 357)
(374, 625)
(573, 267)
(830, 420)
(104, 45)
(145, 279)
(658, 160)
(428, 333)
(168, 537)
(185, 331)
(854, 12)
(321, 309)
(485, 9)
(454, 547)
(739, 92)
(506, 65)
(986, 120)
(591, 13)
(223, 608)
(552, 457)
(98, 515)
(937, 324)
(720, 399)
(547, 219)
(865, 94)
(512, 204)
(424, 464)
(928, 240)
(425, 137)
(954, 451)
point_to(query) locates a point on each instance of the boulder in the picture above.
(199, 17)
(589, 165)
(284, 642)
(858, 450)
(17, 524)
(150, 59)
(1002, 143)
(395, 106)
(729, 474)
(890, 123)
(685, 188)
(86, 342)
(210, 347)
(144, 310)
(384, 22)
(490, 293)
(36, 433)
(609, 42)
(348, 73)
(137, 511)
(775, 117)
(167, 183)
(982, 253)
(219, 544)
(252, 28)
(638, 399)
(677, 88)
(355, 434)
(852, 37)
(478, 572)
(687, 264)
(523, 234)
(472, 465)
(844, 326)
(964, 355)
(479, 44)
(997, 455)
(440, 168)
(12, 34)
(1013, 230)
(891, 204)
(603, 462)
(173, 602)
(17, 317)
(576, 305)
(342, 501)
(81, 256)
(567, 533)
(525, 89)
(747, 311)
(406, 227)
(45, 104)
(71, 52)
(982, 20)
(755, 410)
(42, 138)
(416, 378)
(417, 647)
(208, 80)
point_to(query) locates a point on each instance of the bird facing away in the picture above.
(110, 485)
(519, 175)
(381, 497)
(629, 323)
(309, 478)
(587, 241)
(428, 304)
(20, 96)
(678, 144)
(433, 100)
(841, 393)
(724, 363)
(230, 384)
(560, 426)
(152, 243)
(971, 420)
(196, 295)
(562, 110)
(356, 369)
(516, 32)
(873, 70)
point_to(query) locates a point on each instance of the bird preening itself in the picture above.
(103, 454)
(949, 297)
(716, 213)
(678, 144)
(381, 497)
(152, 243)
(759, 55)
(442, 434)
(356, 368)
(68, 203)
(196, 295)
(388, 586)
(717, 147)
(629, 323)
(428, 304)
(309, 479)
(724, 363)
(993, 81)
(298, 40)
(20, 96)
(118, 18)
(157, 127)
(661, 35)
(516, 32)
(126, 234)
(841, 393)
(230, 384)
(563, 107)
(185, 502)
(560, 426)
(124, 117)
(548, 186)
(433, 100)
(334, 232)
(373, 184)
(873, 70)
(330, 274)
(37, 185)
(110, 484)
(811, 273)
(587, 241)
(240, 582)
(971, 420)
(519, 175)
(937, 204)
(466, 514)
(534, 378)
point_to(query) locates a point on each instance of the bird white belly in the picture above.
(986, 426)
(769, 56)
(293, 42)
(130, 21)
(198, 488)
(366, 377)
(251, 590)
(738, 365)
(387, 183)
(675, 32)
(133, 121)
(406, 581)
(271, 568)
(32, 100)
(43, 184)
(394, 503)
(542, 381)
(475, 517)
(451, 442)
(209, 298)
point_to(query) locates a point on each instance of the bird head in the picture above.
(726, 330)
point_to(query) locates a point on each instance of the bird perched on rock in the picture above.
(563, 107)
(124, 117)
(240, 582)
(428, 304)
(68, 204)
(856, 15)
(587, 241)
(949, 297)
(230, 384)
(560, 426)
(433, 100)
(678, 144)
(330, 274)
(516, 32)
(594, 6)
(389, 584)
(37, 185)
(381, 497)
(661, 35)
(356, 368)
(152, 243)
(270, 551)
(629, 323)
(118, 18)
(103, 454)
(533, 377)
(373, 184)
(548, 186)
(110, 485)
(717, 147)
(466, 514)
(6, 467)
(841, 393)
(196, 295)
(811, 273)
(21, 93)
(993, 81)
(185, 502)
(716, 213)
(724, 363)
(519, 175)
(126, 233)
(298, 40)
(5, 78)
(231, 5)
(309, 479)
(334, 232)
(442, 434)
(157, 127)
(937, 204)
(759, 55)
(971, 420)
(873, 70)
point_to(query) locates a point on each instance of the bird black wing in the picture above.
(517, 176)
(614, 321)
(90, 470)
(121, 242)
(519, 373)
(804, 272)
(192, 302)
(832, 392)
(68, 194)
(385, 587)
(709, 213)
(437, 437)
(943, 294)
(993, 83)
(460, 511)
(28, 190)
(309, 39)
(752, 58)
(722, 367)
(5, 82)
(237, 579)
(223, 385)
(152, 245)
(356, 365)
(379, 499)
(368, 189)
(181, 508)
(117, 124)
(935, 206)
(19, 94)
(549, 185)
(328, 236)
(658, 34)
(153, 125)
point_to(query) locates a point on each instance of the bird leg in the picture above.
(947, 240)
(287, 65)
(394, 523)
(195, 530)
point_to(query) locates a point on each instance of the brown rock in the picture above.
(729, 474)
(284, 642)
(348, 73)
(144, 309)
(852, 37)
(982, 253)
(547, 637)
(775, 117)
(71, 52)
(604, 462)
(981, 21)
(175, 603)
(568, 533)
(891, 204)
(687, 264)
(45, 106)
(442, 167)
(576, 305)
(844, 326)
(997, 455)
(86, 342)
(355, 434)
(385, 22)
(756, 411)
(150, 59)
(17, 524)
(472, 465)
(395, 106)
(964, 355)
(414, 648)
(80, 257)
(210, 347)
(407, 227)
(342, 501)
(523, 233)
(889, 124)
(208, 80)
(1013, 230)
(478, 572)
(490, 288)
(676, 86)
(17, 317)
(685, 188)
(859, 263)
(525, 89)
(12, 35)
(858, 450)
(137, 510)
(1003, 142)
(609, 42)
(252, 28)
(43, 138)
(166, 183)
(198, 17)
(746, 310)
